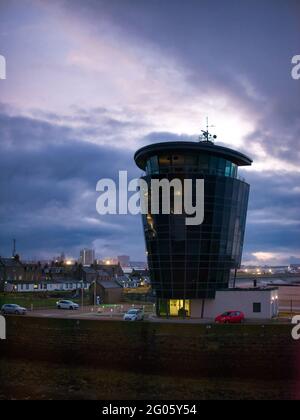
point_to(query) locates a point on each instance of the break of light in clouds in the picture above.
(86, 78)
(78, 64)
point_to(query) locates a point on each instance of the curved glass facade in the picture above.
(192, 262)
(189, 164)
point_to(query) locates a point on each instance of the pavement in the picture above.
(116, 314)
(87, 312)
(90, 314)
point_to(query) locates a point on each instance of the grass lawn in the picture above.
(38, 300)
(46, 381)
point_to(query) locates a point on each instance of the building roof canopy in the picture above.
(146, 152)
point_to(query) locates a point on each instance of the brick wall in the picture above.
(233, 351)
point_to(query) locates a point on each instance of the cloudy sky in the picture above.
(90, 81)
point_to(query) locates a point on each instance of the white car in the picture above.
(67, 304)
(134, 315)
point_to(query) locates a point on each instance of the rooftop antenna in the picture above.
(206, 136)
(14, 248)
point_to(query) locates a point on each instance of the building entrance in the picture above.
(179, 307)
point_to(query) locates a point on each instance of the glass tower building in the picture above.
(193, 262)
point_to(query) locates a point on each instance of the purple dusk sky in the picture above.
(90, 81)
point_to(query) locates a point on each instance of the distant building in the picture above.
(60, 259)
(33, 272)
(128, 270)
(51, 285)
(109, 261)
(255, 303)
(113, 270)
(289, 297)
(50, 278)
(139, 265)
(88, 274)
(110, 292)
(261, 270)
(124, 260)
(16, 276)
(87, 256)
(294, 268)
(11, 270)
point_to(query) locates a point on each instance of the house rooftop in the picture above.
(9, 262)
(109, 284)
(249, 289)
(89, 270)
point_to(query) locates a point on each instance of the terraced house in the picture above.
(11, 270)
(17, 276)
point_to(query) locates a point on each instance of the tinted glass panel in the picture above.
(193, 261)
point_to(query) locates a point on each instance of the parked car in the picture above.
(13, 309)
(67, 304)
(230, 317)
(134, 315)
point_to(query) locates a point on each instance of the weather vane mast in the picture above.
(206, 136)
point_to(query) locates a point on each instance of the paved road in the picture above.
(89, 313)
(82, 313)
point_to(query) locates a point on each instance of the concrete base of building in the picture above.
(258, 303)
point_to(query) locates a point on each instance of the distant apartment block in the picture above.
(124, 260)
(87, 256)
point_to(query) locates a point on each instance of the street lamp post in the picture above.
(82, 290)
(95, 293)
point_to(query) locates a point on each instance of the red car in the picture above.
(230, 317)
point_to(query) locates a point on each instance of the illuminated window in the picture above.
(179, 307)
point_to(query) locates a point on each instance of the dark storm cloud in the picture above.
(241, 48)
(156, 137)
(47, 185)
(88, 118)
(273, 217)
